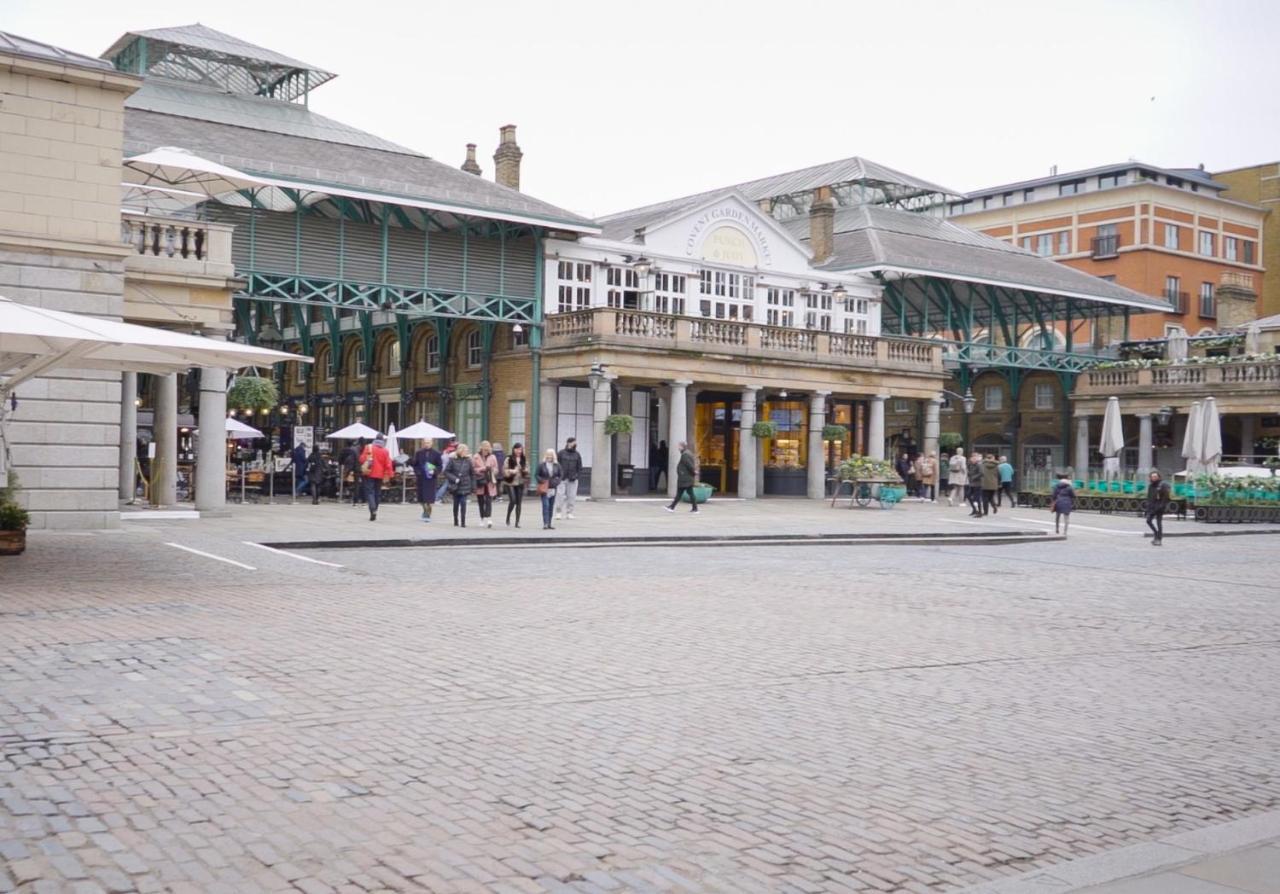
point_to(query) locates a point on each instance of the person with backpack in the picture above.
(375, 468)
(461, 475)
(1061, 502)
(1157, 502)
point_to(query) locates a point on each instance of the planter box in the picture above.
(12, 543)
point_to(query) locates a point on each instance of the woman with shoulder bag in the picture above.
(461, 476)
(549, 476)
(486, 469)
(516, 476)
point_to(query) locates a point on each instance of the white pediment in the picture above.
(729, 230)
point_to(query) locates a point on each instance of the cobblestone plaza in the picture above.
(792, 717)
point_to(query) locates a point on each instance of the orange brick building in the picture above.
(1162, 232)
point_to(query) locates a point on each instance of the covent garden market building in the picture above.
(811, 299)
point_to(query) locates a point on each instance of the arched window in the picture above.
(393, 358)
(431, 353)
(1048, 340)
(475, 348)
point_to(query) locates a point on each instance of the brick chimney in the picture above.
(822, 224)
(471, 166)
(506, 160)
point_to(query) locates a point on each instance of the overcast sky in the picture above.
(623, 104)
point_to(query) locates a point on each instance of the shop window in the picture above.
(573, 419)
(640, 431)
(475, 348)
(787, 450)
(993, 398)
(1044, 396)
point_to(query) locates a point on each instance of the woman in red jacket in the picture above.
(375, 466)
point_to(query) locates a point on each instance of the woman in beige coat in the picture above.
(486, 470)
(927, 475)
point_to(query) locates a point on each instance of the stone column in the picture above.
(1145, 459)
(211, 455)
(677, 414)
(547, 420)
(817, 467)
(164, 468)
(1081, 464)
(624, 406)
(932, 425)
(748, 447)
(602, 462)
(128, 435)
(1247, 435)
(875, 428)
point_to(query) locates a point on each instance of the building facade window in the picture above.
(901, 406)
(622, 288)
(1043, 396)
(1247, 249)
(362, 367)
(818, 307)
(640, 430)
(573, 420)
(1070, 187)
(1230, 248)
(1173, 294)
(856, 327)
(733, 295)
(1207, 308)
(393, 358)
(470, 421)
(1028, 195)
(668, 293)
(519, 337)
(1111, 181)
(1064, 242)
(328, 369)
(1171, 236)
(431, 353)
(475, 348)
(993, 398)
(573, 286)
(780, 309)
(516, 424)
(300, 372)
(1206, 244)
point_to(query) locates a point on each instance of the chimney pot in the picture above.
(471, 166)
(506, 159)
(822, 224)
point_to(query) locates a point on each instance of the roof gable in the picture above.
(727, 229)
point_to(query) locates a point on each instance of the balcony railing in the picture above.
(165, 238)
(605, 326)
(1188, 378)
(1232, 279)
(1104, 246)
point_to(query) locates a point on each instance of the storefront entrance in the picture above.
(715, 437)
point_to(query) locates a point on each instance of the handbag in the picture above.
(543, 488)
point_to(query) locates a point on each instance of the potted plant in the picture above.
(764, 429)
(13, 520)
(948, 441)
(619, 424)
(253, 393)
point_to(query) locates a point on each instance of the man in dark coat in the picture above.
(570, 461)
(298, 461)
(315, 473)
(990, 484)
(975, 484)
(1157, 501)
(428, 464)
(686, 477)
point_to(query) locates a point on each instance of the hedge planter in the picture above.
(701, 493)
(12, 543)
(619, 424)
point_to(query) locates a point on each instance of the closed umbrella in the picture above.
(393, 447)
(1210, 437)
(1177, 346)
(1112, 441)
(352, 432)
(1191, 440)
(1251, 335)
(424, 431)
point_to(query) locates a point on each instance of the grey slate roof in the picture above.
(288, 141)
(873, 237)
(623, 224)
(1203, 178)
(34, 49)
(202, 37)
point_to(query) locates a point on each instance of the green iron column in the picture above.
(532, 423)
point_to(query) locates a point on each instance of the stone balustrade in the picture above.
(162, 237)
(614, 327)
(1184, 381)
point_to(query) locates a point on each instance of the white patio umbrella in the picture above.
(1112, 440)
(393, 448)
(238, 431)
(1210, 437)
(175, 166)
(423, 430)
(353, 431)
(1191, 439)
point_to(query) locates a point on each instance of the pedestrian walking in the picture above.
(427, 464)
(959, 478)
(315, 473)
(975, 485)
(990, 484)
(375, 468)
(298, 462)
(515, 475)
(461, 475)
(446, 456)
(906, 471)
(486, 470)
(1157, 502)
(549, 475)
(1061, 502)
(686, 476)
(944, 475)
(570, 468)
(1006, 482)
(350, 461)
(926, 471)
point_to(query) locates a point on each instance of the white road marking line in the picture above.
(212, 556)
(1075, 527)
(272, 549)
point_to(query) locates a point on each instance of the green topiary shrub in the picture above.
(764, 429)
(619, 424)
(253, 393)
(834, 432)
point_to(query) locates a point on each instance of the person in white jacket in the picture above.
(959, 476)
